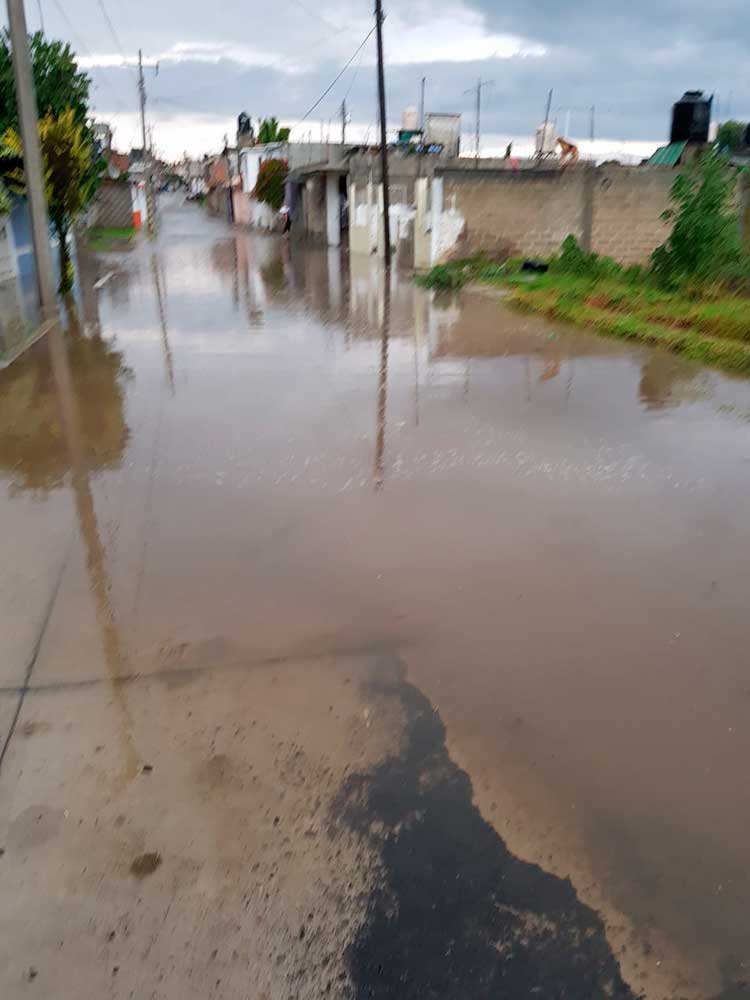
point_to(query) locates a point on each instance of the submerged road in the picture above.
(364, 649)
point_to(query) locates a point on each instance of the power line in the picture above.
(87, 51)
(328, 89)
(113, 33)
(313, 13)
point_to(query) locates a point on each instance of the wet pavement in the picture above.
(359, 645)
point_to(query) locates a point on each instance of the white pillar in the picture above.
(437, 212)
(333, 211)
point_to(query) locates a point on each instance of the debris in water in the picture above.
(145, 864)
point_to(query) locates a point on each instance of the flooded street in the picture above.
(366, 649)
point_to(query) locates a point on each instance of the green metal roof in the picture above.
(667, 156)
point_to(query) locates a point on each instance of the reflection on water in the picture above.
(34, 454)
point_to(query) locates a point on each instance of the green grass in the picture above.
(106, 238)
(713, 329)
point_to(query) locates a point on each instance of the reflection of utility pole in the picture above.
(99, 581)
(383, 146)
(163, 323)
(32, 157)
(150, 207)
(378, 470)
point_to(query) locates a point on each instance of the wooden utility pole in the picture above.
(150, 207)
(383, 146)
(32, 157)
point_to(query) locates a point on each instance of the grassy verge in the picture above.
(713, 330)
(101, 240)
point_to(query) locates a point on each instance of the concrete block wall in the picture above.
(524, 213)
(627, 206)
(614, 211)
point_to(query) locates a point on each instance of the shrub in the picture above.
(269, 188)
(445, 277)
(704, 245)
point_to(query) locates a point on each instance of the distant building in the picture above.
(102, 137)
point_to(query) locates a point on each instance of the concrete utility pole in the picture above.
(230, 179)
(383, 146)
(150, 213)
(344, 122)
(541, 153)
(32, 158)
(421, 105)
(478, 91)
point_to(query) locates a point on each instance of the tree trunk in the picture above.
(66, 268)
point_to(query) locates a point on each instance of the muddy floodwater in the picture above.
(365, 644)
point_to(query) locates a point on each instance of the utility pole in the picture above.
(592, 113)
(230, 179)
(150, 213)
(32, 157)
(383, 147)
(541, 153)
(344, 122)
(478, 91)
(421, 105)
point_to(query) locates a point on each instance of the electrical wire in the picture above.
(87, 51)
(115, 36)
(328, 89)
(313, 13)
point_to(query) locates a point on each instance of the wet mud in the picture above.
(455, 914)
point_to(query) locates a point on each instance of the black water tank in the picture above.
(691, 117)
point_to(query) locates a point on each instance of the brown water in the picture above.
(270, 466)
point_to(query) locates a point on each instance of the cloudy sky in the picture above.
(629, 60)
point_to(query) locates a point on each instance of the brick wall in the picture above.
(611, 210)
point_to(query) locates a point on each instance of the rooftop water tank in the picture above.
(545, 141)
(691, 117)
(410, 119)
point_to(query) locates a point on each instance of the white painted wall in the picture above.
(333, 211)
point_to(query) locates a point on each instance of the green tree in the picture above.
(269, 187)
(71, 176)
(704, 244)
(269, 131)
(731, 135)
(59, 83)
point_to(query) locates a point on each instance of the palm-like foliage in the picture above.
(71, 175)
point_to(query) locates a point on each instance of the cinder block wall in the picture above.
(611, 210)
(628, 204)
(529, 212)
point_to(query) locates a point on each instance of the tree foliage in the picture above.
(60, 85)
(269, 131)
(71, 175)
(704, 245)
(269, 187)
(731, 135)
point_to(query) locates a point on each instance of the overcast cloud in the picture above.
(629, 60)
